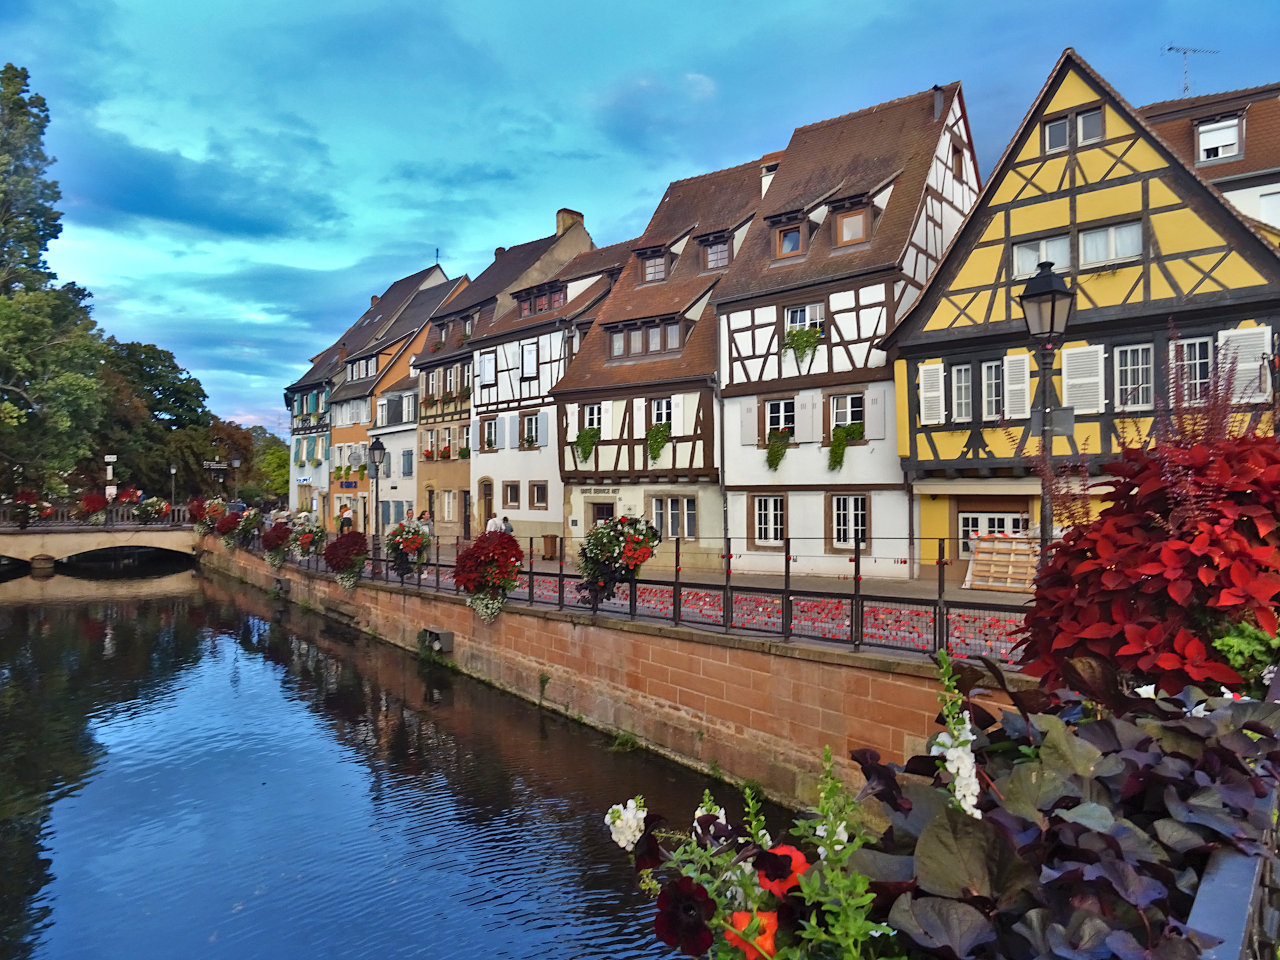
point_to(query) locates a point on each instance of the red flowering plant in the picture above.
(206, 513)
(275, 541)
(307, 537)
(488, 570)
(407, 545)
(26, 505)
(345, 556)
(1186, 552)
(226, 527)
(613, 553)
(731, 890)
(129, 495)
(151, 509)
(92, 509)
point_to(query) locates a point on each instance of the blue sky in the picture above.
(239, 177)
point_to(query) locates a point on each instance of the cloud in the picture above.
(109, 181)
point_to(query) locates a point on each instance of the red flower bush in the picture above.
(277, 537)
(491, 564)
(195, 508)
(26, 497)
(92, 503)
(1188, 545)
(128, 495)
(345, 551)
(227, 523)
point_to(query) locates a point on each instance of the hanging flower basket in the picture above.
(488, 570)
(345, 556)
(612, 554)
(407, 546)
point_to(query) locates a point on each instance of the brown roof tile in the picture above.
(511, 321)
(835, 159)
(507, 266)
(1176, 120)
(608, 259)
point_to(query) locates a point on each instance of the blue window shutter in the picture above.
(501, 440)
(544, 438)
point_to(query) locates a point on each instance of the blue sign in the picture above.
(348, 484)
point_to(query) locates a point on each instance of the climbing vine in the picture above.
(657, 437)
(586, 442)
(802, 341)
(840, 438)
(779, 440)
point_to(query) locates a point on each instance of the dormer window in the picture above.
(717, 255)
(851, 227)
(1218, 140)
(541, 303)
(655, 269)
(647, 341)
(789, 240)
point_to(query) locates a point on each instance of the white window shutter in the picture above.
(544, 437)
(606, 419)
(1083, 386)
(873, 415)
(1017, 386)
(750, 427)
(1243, 352)
(571, 414)
(500, 441)
(677, 416)
(932, 409)
(804, 420)
(517, 435)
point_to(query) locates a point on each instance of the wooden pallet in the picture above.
(1002, 563)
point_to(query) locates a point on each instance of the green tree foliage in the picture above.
(28, 220)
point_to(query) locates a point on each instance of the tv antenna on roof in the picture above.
(1186, 53)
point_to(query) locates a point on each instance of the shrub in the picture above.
(778, 444)
(656, 439)
(841, 437)
(345, 556)
(407, 546)
(586, 442)
(612, 553)
(488, 571)
(275, 541)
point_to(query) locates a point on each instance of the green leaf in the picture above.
(960, 857)
(1092, 815)
(1062, 750)
(938, 924)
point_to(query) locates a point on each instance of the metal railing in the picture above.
(66, 516)
(845, 617)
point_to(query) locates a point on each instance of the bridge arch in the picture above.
(25, 545)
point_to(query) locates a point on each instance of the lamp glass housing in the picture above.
(1046, 303)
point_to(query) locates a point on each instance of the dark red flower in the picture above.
(276, 536)
(684, 907)
(227, 523)
(779, 869)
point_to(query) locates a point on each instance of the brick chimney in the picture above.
(373, 299)
(937, 103)
(342, 352)
(565, 219)
(498, 251)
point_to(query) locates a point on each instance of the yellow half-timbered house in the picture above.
(1171, 284)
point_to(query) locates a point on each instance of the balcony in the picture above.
(304, 423)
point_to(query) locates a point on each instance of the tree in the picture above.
(28, 220)
(170, 393)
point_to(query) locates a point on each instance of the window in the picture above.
(846, 409)
(1133, 377)
(675, 516)
(433, 383)
(717, 255)
(635, 342)
(1193, 369)
(451, 380)
(962, 392)
(655, 268)
(645, 341)
(592, 419)
(464, 438)
(557, 299)
(529, 430)
(780, 415)
(488, 369)
(673, 335)
(851, 227)
(511, 493)
(446, 442)
(543, 303)
(537, 494)
(770, 519)
(382, 413)
(490, 434)
(617, 344)
(1055, 135)
(1218, 140)
(1089, 126)
(466, 327)
(1120, 241)
(988, 524)
(655, 339)
(848, 520)
(932, 406)
(466, 376)
(529, 361)
(446, 505)
(992, 391)
(957, 162)
(789, 241)
(409, 407)
(406, 463)
(525, 308)
(662, 410)
(1028, 256)
(806, 317)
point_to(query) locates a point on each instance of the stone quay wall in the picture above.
(741, 707)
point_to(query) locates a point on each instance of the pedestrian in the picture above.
(344, 519)
(494, 525)
(506, 525)
(422, 517)
(430, 523)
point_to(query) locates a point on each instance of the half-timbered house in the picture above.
(1169, 281)
(637, 406)
(496, 409)
(855, 216)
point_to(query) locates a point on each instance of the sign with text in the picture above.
(215, 465)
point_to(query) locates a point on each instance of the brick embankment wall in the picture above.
(755, 709)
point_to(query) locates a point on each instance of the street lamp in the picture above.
(1046, 303)
(377, 454)
(173, 488)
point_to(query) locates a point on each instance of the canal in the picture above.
(188, 768)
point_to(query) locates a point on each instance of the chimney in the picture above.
(342, 352)
(373, 299)
(937, 103)
(498, 251)
(565, 219)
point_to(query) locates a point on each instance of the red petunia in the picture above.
(779, 869)
(761, 945)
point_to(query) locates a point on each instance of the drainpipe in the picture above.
(714, 379)
(911, 525)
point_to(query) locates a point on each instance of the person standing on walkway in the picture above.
(344, 519)
(494, 525)
(506, 525)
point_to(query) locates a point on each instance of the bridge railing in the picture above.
(66, 515)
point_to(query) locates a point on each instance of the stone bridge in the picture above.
(62, 541)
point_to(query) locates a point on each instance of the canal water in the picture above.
(188, 769)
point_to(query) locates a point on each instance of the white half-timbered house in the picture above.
(637, 407)
(856, 214)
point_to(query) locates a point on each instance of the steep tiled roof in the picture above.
(507, 266)
(511, 321)
(416, 313)
(1175, 121)
(837, 159)
(323, 367)
(600, 260)
(705, 204)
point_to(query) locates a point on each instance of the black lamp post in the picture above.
(235, 465)
(377, 454)
(1046, 303)
(173, 487)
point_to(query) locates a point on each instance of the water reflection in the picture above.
(223, 776)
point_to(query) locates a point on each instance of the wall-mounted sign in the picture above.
(215, 465)
(599, 490)
(109, 458)
(348, 484)
(302, 480)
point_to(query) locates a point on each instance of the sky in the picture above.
(239, 177)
